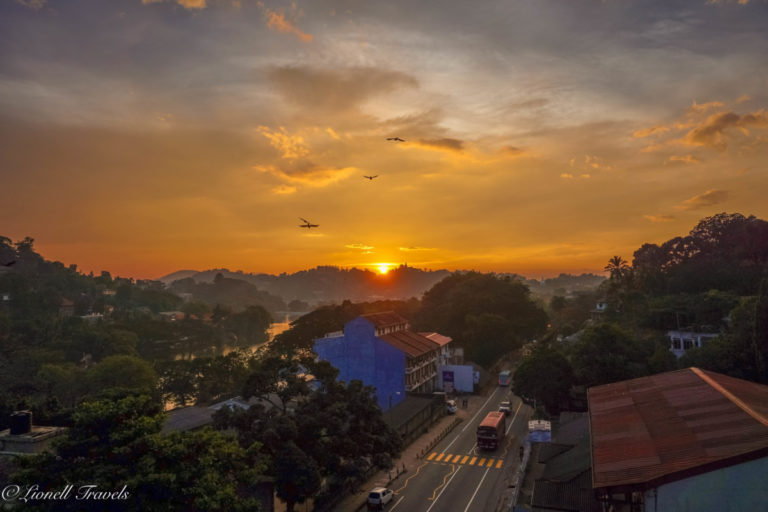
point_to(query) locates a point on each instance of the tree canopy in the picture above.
(487, 315)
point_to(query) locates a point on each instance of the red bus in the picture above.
(490, 433)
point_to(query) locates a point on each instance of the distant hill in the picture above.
(179, 274)
(327, 284)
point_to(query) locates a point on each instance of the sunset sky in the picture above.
(143, 137)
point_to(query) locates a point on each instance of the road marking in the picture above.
(432, 456)
(464, 460)
(472, 462)
(490, 462)
(476, 489)
(456, 459)
(444, 488)
(478, 412)
(498, 464)
(440, 457)
(409, 478)
(482, 461)
(398, 502)
(512, 421)
(453, 472)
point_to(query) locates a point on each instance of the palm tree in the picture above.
(617, 267)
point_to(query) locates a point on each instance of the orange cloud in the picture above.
(659, 218)
(703, 107)
(684, 159)
(276, 21)
(291, 146)
(306, 173)
(654, 130)
(188, 4)
(708, 198)
(712, 132)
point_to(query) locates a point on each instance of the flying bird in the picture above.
(396, 139)
(371, 177)
(307, 224)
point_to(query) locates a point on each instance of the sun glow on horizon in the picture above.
(383, 268)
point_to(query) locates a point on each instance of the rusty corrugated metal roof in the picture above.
(437, 338)
(410, 342)
(385, 319)
(655, 427)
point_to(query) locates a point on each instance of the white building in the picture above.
(680, 341)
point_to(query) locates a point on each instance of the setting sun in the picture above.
(383, 268)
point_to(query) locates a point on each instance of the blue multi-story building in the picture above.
(381, 351)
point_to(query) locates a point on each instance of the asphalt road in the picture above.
(455, 476)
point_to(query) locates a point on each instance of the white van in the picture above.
(378, 497)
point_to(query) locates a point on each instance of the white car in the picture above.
(450, 406)
(505, 407)
(378, 497)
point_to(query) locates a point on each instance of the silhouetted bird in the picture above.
(8, 264)
(371, 177)
(307, 224)
(396, 139)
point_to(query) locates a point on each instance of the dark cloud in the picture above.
(444, 143)
(335, 90)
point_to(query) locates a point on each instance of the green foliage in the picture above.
(606, 353)
(487, 315)
(306, 329)
(117, 443)
(545, 375)
(335, 429)
(725, 252)
(122, 372)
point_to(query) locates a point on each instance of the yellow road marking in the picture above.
(482, 461)
(490, 463)
(498, 464)
(464, 460)
(456, 459)
(432, 456)
(434, 493)
(440, 457)
(409, 478)
(472, 462)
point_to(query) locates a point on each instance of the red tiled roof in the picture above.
(655, 427)
(411, 343)
(385, 319)
(437, 338)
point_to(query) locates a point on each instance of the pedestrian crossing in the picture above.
(466, 460)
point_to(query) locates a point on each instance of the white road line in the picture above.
(476, 489)
(398, 502)
(512, 421)
(480, 410)
(444, 488)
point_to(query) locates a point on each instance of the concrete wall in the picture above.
(462, 377)
(732, 489)
(360, 355)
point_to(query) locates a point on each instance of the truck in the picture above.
(505, 407)
(490, 432)
(505, 378)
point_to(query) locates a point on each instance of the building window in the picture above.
(687, 343)
(676, 343)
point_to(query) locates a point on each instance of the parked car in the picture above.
(450, 406)
(378, 497)
(505, 407)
